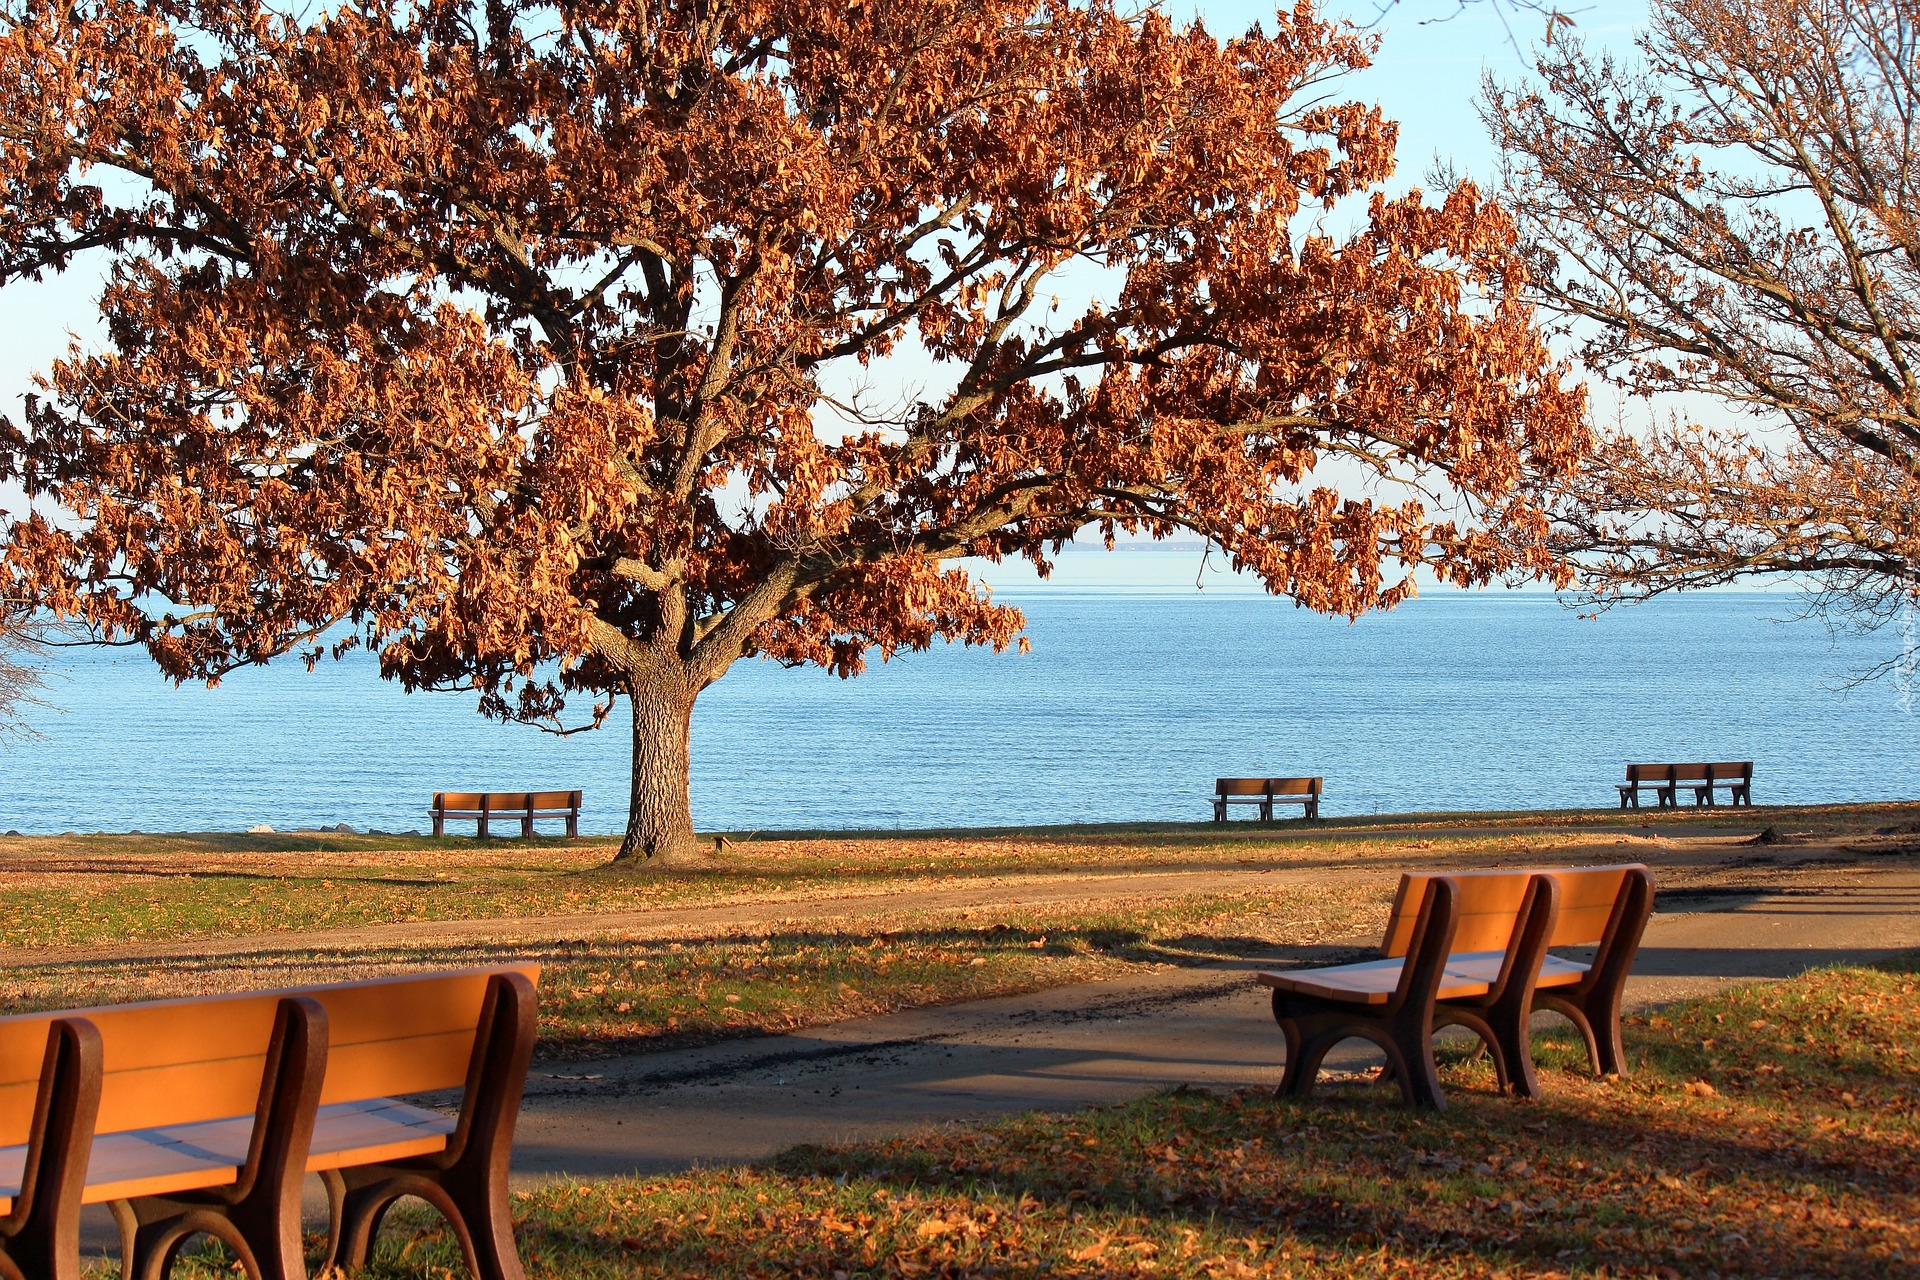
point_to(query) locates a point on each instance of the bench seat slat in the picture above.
(151, 1162)
(1469, 973)
(192, 1157)
(374, 1131)
(1373, 981)
(1485, 966)
(344, 1133)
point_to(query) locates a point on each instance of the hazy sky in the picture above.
(1426, 77)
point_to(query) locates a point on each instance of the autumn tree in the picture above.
(1734, 217)
(586, 348)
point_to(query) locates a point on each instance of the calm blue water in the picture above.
(1127, 708)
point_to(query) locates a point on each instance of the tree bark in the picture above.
(660, 813)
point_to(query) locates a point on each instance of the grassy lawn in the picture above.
(97, 890)
(609, 995)
(1770, 1131)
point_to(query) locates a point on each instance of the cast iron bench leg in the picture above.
(468, 1181)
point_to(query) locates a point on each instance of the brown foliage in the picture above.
(494, 338)
(1739, 217)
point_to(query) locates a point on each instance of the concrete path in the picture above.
(1098, 1042)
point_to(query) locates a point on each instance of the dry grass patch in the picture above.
(125, 890)
(609, 995)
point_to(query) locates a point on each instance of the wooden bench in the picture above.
(1472, 949)
(207, 1113)
(1267, 792)
(1605, 908)
(524, 807)
(1665, 781)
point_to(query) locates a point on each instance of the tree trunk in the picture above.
(660, 813)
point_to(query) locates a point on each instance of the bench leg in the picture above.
(1412, 1058)
(1605, 1053)
(1594, 1006)
(153, 1232)
(258, 1217)
(468, 1184)
(1504, 1034)
(439, 824)
(526, 826)
(1311, 1030)
(573, 825)
(1308, 1038)
(46, 1241)
(479, 1217)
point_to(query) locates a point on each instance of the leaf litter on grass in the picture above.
(1775, 1173)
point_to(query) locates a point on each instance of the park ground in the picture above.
(1766, 1130)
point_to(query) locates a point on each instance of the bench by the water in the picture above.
(1665, 780)
(1471, 949)
(204, 1114)
(1265, 793)
(524, 807)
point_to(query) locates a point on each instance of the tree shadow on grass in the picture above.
(1530, 1186)
(794, 975)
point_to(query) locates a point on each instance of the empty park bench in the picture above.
(1471, 949)
(203, 1115)
(1265, 793)
(524, 807)
(1665, 781)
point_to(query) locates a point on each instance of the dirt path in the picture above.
(1102, 1041)
(757, 912)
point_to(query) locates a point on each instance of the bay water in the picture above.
(1127, 708)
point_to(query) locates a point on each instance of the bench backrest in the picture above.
(1241, 786)
(167, 1062)
(1486, 906)
(1488, 900)
(1588, 900)
(1294, 786)
(491, 801)
(411, 1033)
(1720, 771)
(554, 800)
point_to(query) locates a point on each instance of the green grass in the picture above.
(98, 890)
(608, 995)
(1767, 1132)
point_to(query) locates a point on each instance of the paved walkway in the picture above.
(1097, 1042)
